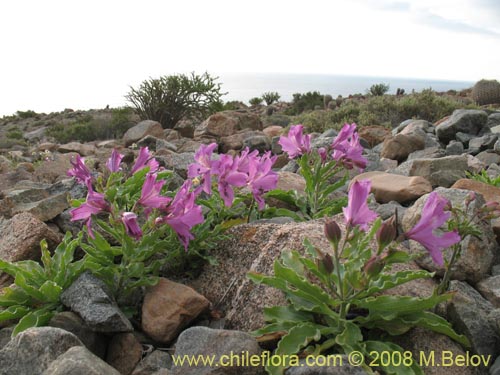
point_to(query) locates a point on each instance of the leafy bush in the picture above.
(170, 98)
(305, 102)
(15, 134)
(270, 97)
(484, 177)
(34, 297)
(378, 89)
(26, 114)
(255, 101)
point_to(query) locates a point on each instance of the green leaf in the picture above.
(389, 366)
(51, 291)
(388, 281)
(35, 318)
(274, 327)
(286, 314)
(350, 337)
(13, 312)
(401, 304)
(14, 296)
(29, 289)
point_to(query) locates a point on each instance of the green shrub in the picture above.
(277, 119)
(379, 89)
(15, 134)
(170, 98)
(270, 97)
(26, 114)
(255, 101)
(305, 102)
(484, 177)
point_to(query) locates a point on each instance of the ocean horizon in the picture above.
(244, 86)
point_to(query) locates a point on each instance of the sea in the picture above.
(244, 86)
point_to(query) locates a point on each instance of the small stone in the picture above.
(454, 148)
(168, 308)
(490, 289)
(79, 361)
(142, 129)
(155, 361)
(124, 352)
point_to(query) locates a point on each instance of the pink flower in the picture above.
(433, 216)
(183, 214)
(295, 144)
(150, 193)
(94, 204)
(357, 211)
(261, 178)
(323, 154)
(347, 149)
(132, 227)
(229, 177)
(145, 159)
(203, 166)
(113, 163)
(79, 171)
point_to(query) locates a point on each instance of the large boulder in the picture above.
(401, 145)
(225, 123)
(374, 134)
(142, 129)
(468, 121)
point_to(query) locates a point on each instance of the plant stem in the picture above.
(445, 283)
(250, 210)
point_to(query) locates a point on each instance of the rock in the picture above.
(477, 254)
(9, 179)
(5, 336)
(489, 192)
(79, 148)
(225, 123)
(427, 153)
(273, 131)
(391, 187)
(232, 142)
(339, 366)
(490, 289)
(124, 352)
(467, 311)
(54, 169)
(409, 126)
(71, 322)
(469, 121)
(142, 129)
(213, 342)
(439, 172)
(187, 145)
(454, 148)
(79, 361)
(155, 361)
(169, 307)
(374, 134)
(261, 143)
(185, 127)
(178, 163)
(424, 343)
(32, 350)
(20, 238)
(153, 143)
(484, 143)
(400, 146)
(488, 158)
(88, 297)
(112, 143)
(493, 120)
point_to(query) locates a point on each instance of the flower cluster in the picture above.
(245, 170)
(180, 213)
(345, 148)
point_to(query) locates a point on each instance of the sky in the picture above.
(86, 54)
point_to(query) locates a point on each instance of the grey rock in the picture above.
(469, 121)
(339, 366)
(465, 138)
(329, 133)
(467, 311)
(142, 129)
(319, 142)
(275, 146)
(490, 289)
(206, 341)
(261, 143)
(154, 361)
(178, 163)
(71, 322)
(493, 120)
(292, 166)
(496, 147)
(88, 297)
(454, 148)
(428, 152)
(484, 143)
(32, 351)
(431, 141)
(488, 157)
(79, 361)
(477, 254)
(154, 144)
(495, 369)
(5, 336)
(162, 144)
(410, 125)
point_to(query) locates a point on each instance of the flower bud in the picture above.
(387, 232)
(374, 266)
(332, 232)
(470, 198)
(327, 261)
(323, 154)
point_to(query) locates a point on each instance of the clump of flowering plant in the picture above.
(134, 225)
(320, 169)
(336, 300)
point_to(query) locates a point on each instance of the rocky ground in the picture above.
(213, 313)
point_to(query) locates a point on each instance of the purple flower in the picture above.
(261, 178)
(357, 211)
(113, 163)
(150, 193)
(323, 154)
(79, 171)
(203, 166)
(132, 227)
(229, 177)
(183, 214)
(433, 216)
(295, 144)
(94, 204)
(145, 159)
(347, 149)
